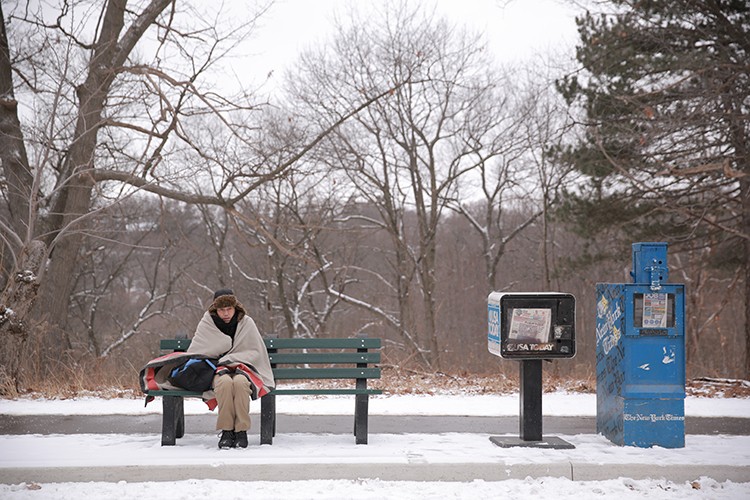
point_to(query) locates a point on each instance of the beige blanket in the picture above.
(247, 355)
(248, 348)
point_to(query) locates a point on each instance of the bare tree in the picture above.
(125, 102)
(289, 223)
(502, 183)
(407, 153)
(92, 124)
(544, 129)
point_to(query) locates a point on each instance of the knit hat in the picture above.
(223, 291)
(224, 297)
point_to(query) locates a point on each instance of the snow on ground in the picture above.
(561, 404)
(121, 450)
(372, 489)
(318, 450)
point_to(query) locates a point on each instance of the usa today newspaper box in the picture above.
(530, 328)
(531, 325)
(640, 355)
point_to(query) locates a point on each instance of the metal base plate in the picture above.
(551, 442)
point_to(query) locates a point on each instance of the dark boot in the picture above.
(240, 439)
(227, 439)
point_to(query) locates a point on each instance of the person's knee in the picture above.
(241, 381)
(241, 384)
(222, 381)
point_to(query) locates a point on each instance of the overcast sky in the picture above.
(516, 30)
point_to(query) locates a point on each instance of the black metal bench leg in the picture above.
(180, 418)
(360, 418)
(267, 419)
(169, 419)
(361, 405)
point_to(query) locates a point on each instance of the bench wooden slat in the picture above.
(275, 343)
(354, 343)
(291, 358)
(318, 373)
(326, 391)
(174, 344)
(185, 394)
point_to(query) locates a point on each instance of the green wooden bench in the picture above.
(293, 359)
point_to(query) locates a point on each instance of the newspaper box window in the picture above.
(530, 328)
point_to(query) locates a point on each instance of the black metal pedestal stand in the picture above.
(531, 412)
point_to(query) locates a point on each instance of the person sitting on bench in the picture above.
(237, 367)
(227, 332)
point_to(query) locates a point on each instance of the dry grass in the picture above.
(400, 381)
(101, 379)
(69, 378)
(718, 388)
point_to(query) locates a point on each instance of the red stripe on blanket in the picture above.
(150, 382)
(255, 379)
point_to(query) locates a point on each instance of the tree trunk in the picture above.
(545, 251)
(75, 200)
(15, 328)
(747, 310)
(427, 272)
(428, 284)
(403, 287)
(745, 196)
(13, 157)
(75, 188)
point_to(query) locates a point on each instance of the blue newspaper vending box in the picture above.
(640, 355)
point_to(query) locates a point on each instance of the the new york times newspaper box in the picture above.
(531, 325)
(640, 354)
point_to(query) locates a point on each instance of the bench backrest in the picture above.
(290, 358)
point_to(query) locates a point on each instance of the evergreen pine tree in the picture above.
(665, 99)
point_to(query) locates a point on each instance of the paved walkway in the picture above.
(337, 424)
